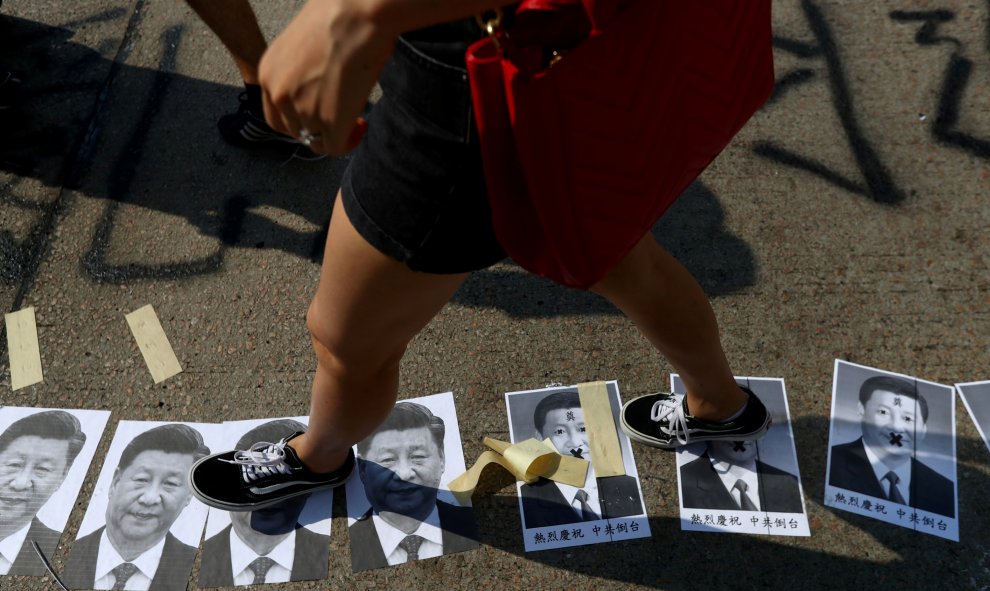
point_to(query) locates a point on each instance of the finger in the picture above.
(280, 115)
(314, 140)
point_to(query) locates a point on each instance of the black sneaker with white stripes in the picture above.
(264, 475)
(247, 128)
(662, 420)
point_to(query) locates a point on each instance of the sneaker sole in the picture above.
(667, 444)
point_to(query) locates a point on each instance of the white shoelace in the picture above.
(261, 460)
(671, 409)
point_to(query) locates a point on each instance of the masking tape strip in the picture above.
(570, 470)
(23, 349)
(606, 455)
(531, 459)
(154, 345)
(526, 461)
(463, 486)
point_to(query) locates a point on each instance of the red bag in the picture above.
(583, 156)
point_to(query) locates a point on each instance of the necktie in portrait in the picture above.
(260, 567)
(411, 545)
(745, 503)
(893, 494)
(587, 513)
(121, 574)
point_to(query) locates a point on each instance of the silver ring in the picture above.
(306, 137)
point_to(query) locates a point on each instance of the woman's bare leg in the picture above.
(673, 313)
(366, 310)
(234, 23)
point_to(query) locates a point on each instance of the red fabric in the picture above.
(581, 159)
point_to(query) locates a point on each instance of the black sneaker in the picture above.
(248, 129)
(265, 475)
(662, 420)
(9, 87)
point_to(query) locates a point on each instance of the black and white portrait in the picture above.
(398, 505)
(724, 483)
(892, 445)
(555, 414)
(142, 528)
(287, 542)
(976, 398)
(44, 456)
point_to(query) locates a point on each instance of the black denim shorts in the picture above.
(415, 187)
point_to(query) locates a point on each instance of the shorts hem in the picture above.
(368, 228)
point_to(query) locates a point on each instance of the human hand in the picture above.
(317, 74)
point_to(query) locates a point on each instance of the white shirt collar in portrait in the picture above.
(590, 487)
(108, 559)
(391, 537)
(880, 470)
(10, 547)
(732, 473)
(241, 556)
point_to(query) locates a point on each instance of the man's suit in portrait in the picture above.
(309, 562)
(851, 470)
(80, 572)
(544, 504)
(27, 561)
(702, 488)
(459, 534)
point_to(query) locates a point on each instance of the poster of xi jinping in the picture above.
(892, 449)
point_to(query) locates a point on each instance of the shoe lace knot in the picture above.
(261, 460)
(669, 413)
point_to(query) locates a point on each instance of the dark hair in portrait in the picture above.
(270, 432)
(556, 401)
(897, 386)
(49, 424)
(406, 416)
(171, 438)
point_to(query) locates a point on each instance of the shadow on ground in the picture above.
(673, 559)
(84, 119)
(692, 230)
(163, 154)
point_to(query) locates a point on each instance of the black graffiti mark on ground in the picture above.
(14, 255)
(954, 83)
(122, 176)
(94, 261)
(776, 153)
(877, 182)
(111, 14)
(799, 48)
(797, 76)
(26, 150)
(14, 258)
(790, 80)
(70, 97)
(947, 118)
(8, 197)
(931, 19)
